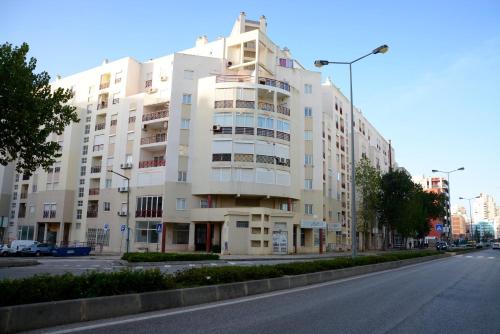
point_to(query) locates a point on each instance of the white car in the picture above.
(495, 245)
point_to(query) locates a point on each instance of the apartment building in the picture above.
(231, 146)
(438, 185)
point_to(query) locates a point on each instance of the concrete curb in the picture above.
(15, 318)
(7, 263)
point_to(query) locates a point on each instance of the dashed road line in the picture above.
(469, 256)
(491, 257)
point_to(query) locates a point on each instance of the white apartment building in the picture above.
(232, 145)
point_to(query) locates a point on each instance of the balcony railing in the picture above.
(266, 106)
(149, 213)
(283, 135)
(97, 148)
(95, 169)
(241, 157)
(158, 138)
(223, 130)
(245, 104)
(265, 159)
(116, 100)
(102, 105)
(223, 104)
(284, 110)
(94, 191)
(151, 163)
(221, 157)
(274, 83)
(113, 122)
(265, 132)
(104, 85)
(92, 213)
(149, 83)
(234, 78)
(49, 214)
(24, 195)
(100, 126)
(155, 115)
(241, 130)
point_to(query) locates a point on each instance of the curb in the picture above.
(48, 314)
(17, 263)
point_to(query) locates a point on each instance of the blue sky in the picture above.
(435, 94)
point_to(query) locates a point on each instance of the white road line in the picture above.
(231, 302)
(491, 257)
(167, 266)
(191, 265)
(139, 267)
(468, 256)
(231, 263)
(213, 264)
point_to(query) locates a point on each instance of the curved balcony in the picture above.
(157, 138)
(155, 115)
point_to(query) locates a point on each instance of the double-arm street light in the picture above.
(319, 63)
(470, 214)
(128, 205)
(449, 193)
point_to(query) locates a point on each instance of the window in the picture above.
(118, 77)
(308, 159)
(131, 119)
(181, 176)
(97, 237)
(81, 191)
(131, 135)
(244, 120)
(180, 204)
(308, 135)
(149, 206)
(25, 232)
(106, 206)
(108, 183)
(89, 108)
(83, 170)
(308, 209)
(84, 161)
(79, 214)
(308, 89)
(88, 119)
(242, 224)
(185, 123)
(85, 139)
(181, 234)
(308, 183)
(145, 231)
(17, 177)
(188, 74)
(85, 149)
(186, 98)
(204, 203)
(221, 174)
(82, 181)
(265, 122)
(116, 98)
(282, 126)
(80, 203)
(87, 129)
(223, 119)
(308, 112)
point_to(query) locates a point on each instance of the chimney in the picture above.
(263, 24)
(201, 40)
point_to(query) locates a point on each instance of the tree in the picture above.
(368, 181)
(29, 112)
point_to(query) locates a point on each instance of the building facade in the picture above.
(230, 146)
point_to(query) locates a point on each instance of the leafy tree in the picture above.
(368, 181)
(29, 112)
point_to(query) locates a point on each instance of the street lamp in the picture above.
(128, 205)
(319, 63)
(449, 193)
(470, 214)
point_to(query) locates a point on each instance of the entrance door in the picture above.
(280, 242)
(41, 232)
(200, 237)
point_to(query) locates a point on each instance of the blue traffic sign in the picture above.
(439, 228)
(123, 227)
(106, 227)
(159, 227)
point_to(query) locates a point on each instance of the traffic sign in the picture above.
(106, 227)
(159, 227)
(439, 228)
(123, 227)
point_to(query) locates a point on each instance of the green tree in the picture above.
(368, 181)
(29, 112)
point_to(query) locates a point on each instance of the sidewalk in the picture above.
(274, 257)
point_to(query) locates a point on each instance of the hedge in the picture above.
(43, 288)
(161, 257)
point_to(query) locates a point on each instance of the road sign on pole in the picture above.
(123, 227)
(106, 227)
(159, 228)
(439, 228)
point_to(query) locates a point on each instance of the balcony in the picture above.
(102, 105)
(116, 100)
(283, 135)
(266, 106)
(104, 85)
(284, 110)
(149, 213)
(100, 126)
(49, 214)
(113, 122)
(245, 104)
(91, 213)
(222, 130)
(223, 104)
(24, 195)
(93, 191)
(97, 148)
(95, 169)
(234, 78)
(221, 157)
(155, 115)
(274, 83)
(151, 163)
(241, 130)
(265, 132)
(158, 138)
(265, 159)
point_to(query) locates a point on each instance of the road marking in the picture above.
(167, 266)
(491, 257)
(168, 313)
(468, 256)
(213, 264)
(191, 265)
(139, 267)
(231, 263)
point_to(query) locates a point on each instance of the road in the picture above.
(460, 294)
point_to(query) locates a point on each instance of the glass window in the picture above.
(308, 135)
(307, 88)
(282, 126)
(308, 159)
(265, 122)
(107, 206)
(308, 183)
(308, 209)
(244, 120)
(180, 204)
(204, 203)
(186, 98)
(188, 74)
(181, 234)
(308, 112)
(145, 231)
(181, 176)
(185, 123)
(223, 119)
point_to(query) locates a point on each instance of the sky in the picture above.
(435, 94)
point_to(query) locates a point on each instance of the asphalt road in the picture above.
(460, 294)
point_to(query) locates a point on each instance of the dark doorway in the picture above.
(200, 237)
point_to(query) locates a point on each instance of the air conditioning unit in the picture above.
(122, 213)
(163, 78)
(151, 90)
(126, 165)
(122, 189)
(216, 127)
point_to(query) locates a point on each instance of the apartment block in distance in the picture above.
(231, 146)
(438, 185)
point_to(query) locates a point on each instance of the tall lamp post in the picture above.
(470, 213)
(128, 205)
(319, 63)
(449, 193)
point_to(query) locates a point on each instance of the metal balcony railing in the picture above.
(155, 115)
(158, 138)
(151, 163)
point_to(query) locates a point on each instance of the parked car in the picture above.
(441, 245)
(4, 250)
(495, 245)
(16, 246)
(38, 250)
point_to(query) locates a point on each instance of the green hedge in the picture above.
(161, 257)
(42, 288)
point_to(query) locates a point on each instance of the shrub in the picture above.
(160, 257)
